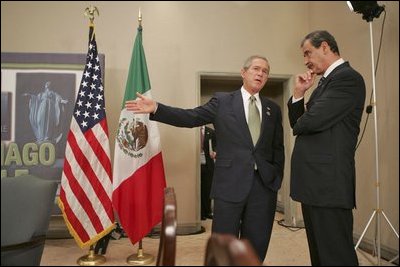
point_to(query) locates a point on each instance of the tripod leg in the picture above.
(365, 230)
(395, 258)
(387, 220)
(394, 230)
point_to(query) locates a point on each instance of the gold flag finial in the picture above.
(140, 17)
(89, 12)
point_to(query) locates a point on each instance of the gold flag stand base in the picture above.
(140, 258)
(91, 259)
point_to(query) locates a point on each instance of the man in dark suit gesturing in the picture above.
(323, 167)
(250, 153)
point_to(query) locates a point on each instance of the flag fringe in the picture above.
(76, 236)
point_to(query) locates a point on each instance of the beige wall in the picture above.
(182, 39)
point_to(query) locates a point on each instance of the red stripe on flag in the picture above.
(104, 159)
(139, 199)
(102, 155)
(72, 219)
(79, 193)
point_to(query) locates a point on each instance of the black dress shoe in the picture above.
(210, 216)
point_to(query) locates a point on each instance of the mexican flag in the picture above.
(138, 178)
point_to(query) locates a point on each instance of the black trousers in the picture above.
(250, 219)
(330, 236)
(205, 185)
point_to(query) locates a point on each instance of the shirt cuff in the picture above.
(155, 110)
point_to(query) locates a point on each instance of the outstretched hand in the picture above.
(141, 105)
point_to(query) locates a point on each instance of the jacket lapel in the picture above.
(319, 90)
(266, 116)
(238, 110)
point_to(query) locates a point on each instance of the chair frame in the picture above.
(167, 247)
(227, 250)
(33, 242)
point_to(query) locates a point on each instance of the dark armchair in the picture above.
(26, 204)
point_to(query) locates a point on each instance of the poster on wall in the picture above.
(38, 93)
(5, 116)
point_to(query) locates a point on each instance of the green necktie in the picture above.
(254, 120)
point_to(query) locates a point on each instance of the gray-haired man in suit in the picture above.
(249, 163)
(323, 167)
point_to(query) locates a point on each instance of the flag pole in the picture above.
(92, 258)
(140, 17)
(140, 258)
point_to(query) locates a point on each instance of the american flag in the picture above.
(86, 182)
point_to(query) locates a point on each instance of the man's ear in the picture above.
(325, 47)
(242, 71)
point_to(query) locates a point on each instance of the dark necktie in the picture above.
(321, 81)
(316, 92)
(254, 120)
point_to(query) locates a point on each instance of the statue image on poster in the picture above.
(44, 107)
(45, 110)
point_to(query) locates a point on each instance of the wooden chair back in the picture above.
(227, 250)
(167, 247)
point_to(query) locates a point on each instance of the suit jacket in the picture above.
(323, 167)
(234, 166)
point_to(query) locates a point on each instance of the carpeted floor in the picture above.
(288, 247)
